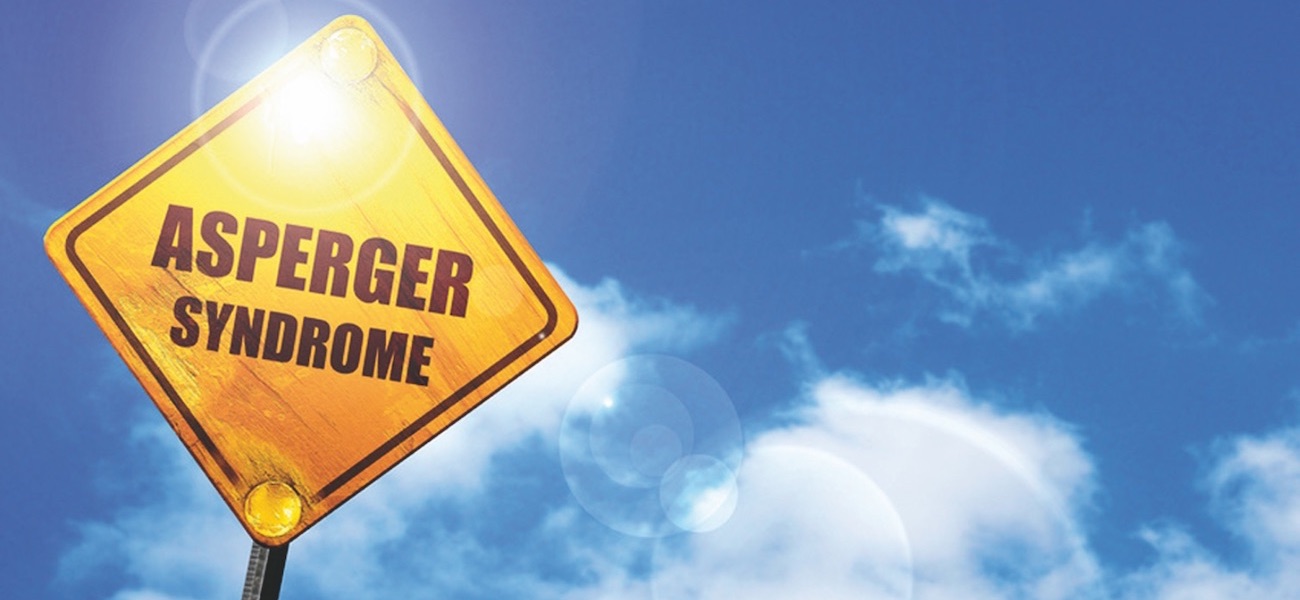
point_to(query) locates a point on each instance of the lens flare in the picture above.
(649, 447)
(307, 109)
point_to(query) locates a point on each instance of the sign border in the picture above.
(348, 475)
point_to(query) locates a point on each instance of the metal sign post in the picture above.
(265, 572)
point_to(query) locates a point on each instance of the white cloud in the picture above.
(982, 275)
(1254, 486)
(809, 524)
(895, 491)
(178, 538)
(994, 502)
(920, 490)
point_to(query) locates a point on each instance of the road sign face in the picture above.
(311, 281)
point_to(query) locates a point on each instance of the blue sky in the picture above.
(963, 301)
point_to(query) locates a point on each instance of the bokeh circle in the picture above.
(650, 445)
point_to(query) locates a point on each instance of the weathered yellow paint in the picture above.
(331, 142)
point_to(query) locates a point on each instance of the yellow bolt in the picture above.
(273, 508)
(348, 55)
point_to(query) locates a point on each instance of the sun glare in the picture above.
(307, 109)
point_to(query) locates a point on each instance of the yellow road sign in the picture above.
(311, 281)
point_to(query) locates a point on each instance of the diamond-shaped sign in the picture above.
(311, 281)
